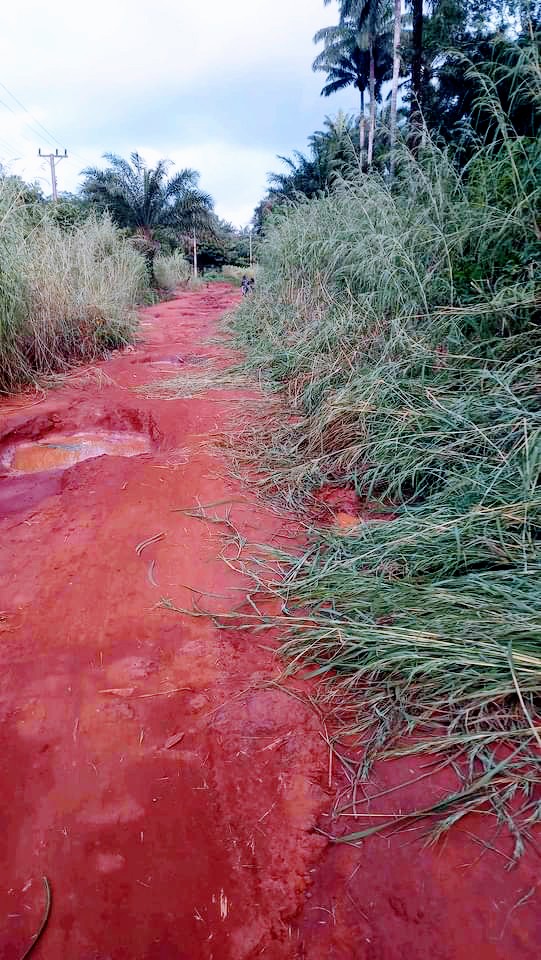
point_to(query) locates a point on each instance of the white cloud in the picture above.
(220, 165)
(115, 73)
(126, 44)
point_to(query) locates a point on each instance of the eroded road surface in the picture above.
(151, 769)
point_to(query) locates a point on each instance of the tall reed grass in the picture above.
(171, 271)
(66, 295)
(231, 272)
(401, 324)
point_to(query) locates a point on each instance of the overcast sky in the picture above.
(219, 86)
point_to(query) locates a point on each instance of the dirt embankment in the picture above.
(151, 769)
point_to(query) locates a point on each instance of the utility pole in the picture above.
(53, 159)
(194, 249)
(251, 255)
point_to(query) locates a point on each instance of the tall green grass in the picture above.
(171, 271)
(401, 324)
(230, 272)
(66, 295)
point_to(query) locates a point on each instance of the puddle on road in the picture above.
(58, 451)
(188, 359)
(166, 360)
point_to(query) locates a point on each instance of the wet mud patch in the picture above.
(177, 360)
(55, 441)
(60, 451)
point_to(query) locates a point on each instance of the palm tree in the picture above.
(334, 146)
(368, 22)
(416, 59)
(303, 175)
(373, 16)
(346, 62)
(397, 33)
(146, 201)
(450, 13)
(331, 153)
(375, 13)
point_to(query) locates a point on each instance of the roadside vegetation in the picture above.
(397, 311)
(235, 274)
(72, 273)
(67, 293)
(157, 209)
(171, 271)
(166, 216)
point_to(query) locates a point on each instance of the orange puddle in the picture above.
(176, 361)
(59, 451)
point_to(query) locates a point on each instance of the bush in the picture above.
(65, 294)
(229, 272)
(171, 271)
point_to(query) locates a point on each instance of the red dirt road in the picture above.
(149, 769)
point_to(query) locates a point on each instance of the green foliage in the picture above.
(224, 245)
(452, 46)
(438, 48)
(66, 293)
(171, 271)
(162, 212)
(70, 210)
(235, 274)
(332, 152)
(158, 209)
(144, 199)
(345, 57)
(402, 323)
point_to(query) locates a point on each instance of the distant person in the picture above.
(244, 285)
(251, 285)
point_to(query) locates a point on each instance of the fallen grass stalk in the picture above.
(473, 791)
(146, 543)
(190, 384)
(44, 919)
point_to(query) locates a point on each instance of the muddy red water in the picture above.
(59, 451)
(151, 769)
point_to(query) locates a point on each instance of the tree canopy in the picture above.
(440, 42)
(145, 199)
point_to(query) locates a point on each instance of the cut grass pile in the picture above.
(66, 294)
(193, 382)
(401, 324)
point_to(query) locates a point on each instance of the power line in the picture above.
(27, 125)
(87, 162)
(48, 133)
(8, 146)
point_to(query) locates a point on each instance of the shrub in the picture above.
(171, 271)
(230, 272)
(65, 294)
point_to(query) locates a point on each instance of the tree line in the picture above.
(160, 210)
(164, 212)
(408, 66)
